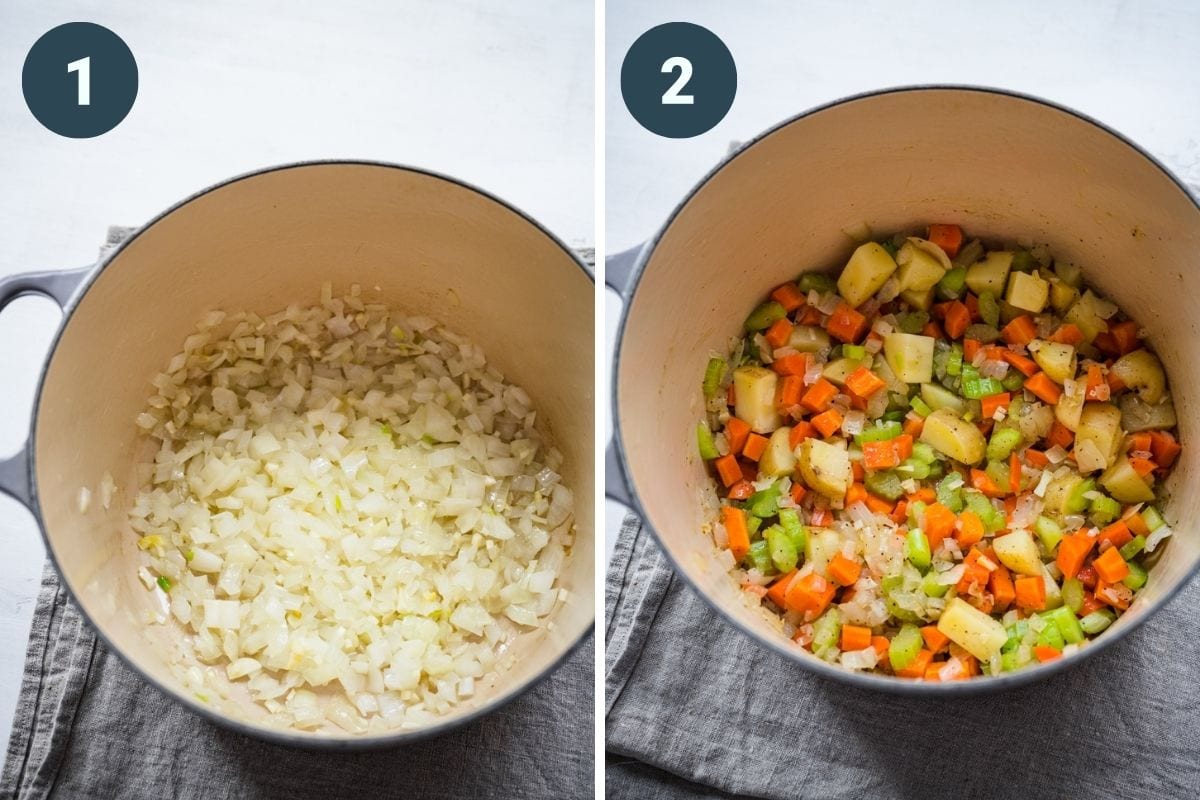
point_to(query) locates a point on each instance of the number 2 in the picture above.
(84, 67)
(673, 97)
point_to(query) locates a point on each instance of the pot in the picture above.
(430, 244)
(1001, 165)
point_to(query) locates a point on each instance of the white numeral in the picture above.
(673, 97)
(84, 67)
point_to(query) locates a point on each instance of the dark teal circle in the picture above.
(712, 85)
(52, 93)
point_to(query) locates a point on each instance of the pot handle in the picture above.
(618, 270)
(59, 286)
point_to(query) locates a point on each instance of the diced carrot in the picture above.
(923, 495)
(800, 431)
(1110, 566)
(820, 517)
(984, 483)
(1142, 466)
(939, 523)
(856, 493)
(1060, 435)
(935, 640)
(933, 670)
(749, 470)
(913, 425)
(1125, 336)
(846, 324)
(1014, 474)
(798, 492)
(1067, 333)
(1072, 551)
(933, 330)
(1021, 330)
(946, 236)
(730, 396)
(972, 301)
(1106, 594)
(971, 348)
(1136, 524)
(778, 591)
(1045, 389)
(916, 667)
(1044, 653)
(1026, 366)
(856, 471)
(819, 395)
(864, 383)
(1118, 533)
(736, 433)
(755, 446)
(904, 445)
(881, 644)
(1095, 385)
(1030, 593)
(735, 526)
(810, 595)
(1000, 584)
(1105, 343)
(879, 505)
(899, 512)
(811, 315)
(790, 390)
(1090, 604)
(728, 469)
(957, 319)
(740, 490)
(970, 532)
(994, 352)
(856, 401)
(1164, 447)
(880, 455)
(1036, 458)
(1140, 442)
(779, 332)
(789, 296)
(1115, 384)
(791, 364)
(827, 422)
(993, 402)
(855, 637)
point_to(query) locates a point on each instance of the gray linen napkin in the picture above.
(88, 727)
(694, 708)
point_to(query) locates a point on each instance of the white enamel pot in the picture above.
(999, 164)
(431, 244)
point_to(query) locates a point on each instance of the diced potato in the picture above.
(910, 356)
(1139, 416)
(936, 397)
(1019, 552)
(1142, 372)
(1085, 314)
(808, 339)
(820, 548)
(839, 369)
(825, 468)
(778, 458)
(1069, 408)
(919, 271)
(1028, 291)
(865, 274)
(1056, 359)
(948, 433)
(1059, 491)
(754, 396)
(1098, 436)
(990, 274)
(918, 299)
(1123, 483)
(971, 629)
(1062, 295)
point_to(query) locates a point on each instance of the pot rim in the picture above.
(286, 737)
(778, 644)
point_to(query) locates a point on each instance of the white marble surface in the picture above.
(498, 94)
(1135, 66)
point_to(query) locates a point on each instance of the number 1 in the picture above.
(84, 67)
(673, 97)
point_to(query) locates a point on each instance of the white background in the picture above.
(1134, 66)
(499, 94)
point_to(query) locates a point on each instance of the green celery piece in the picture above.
(1097, 621)
(905, 646)
(1004, 441)
(1076, 502)
(1066, 623)
(931, 587)
(989, 309)
(913, 321)
(1016, 632)
(764, 316)
(1051, 636)
(950, 287)
(164, 583)
(920, 406)
(1013, 381)
(936, 470)
(890, 246)
(827, 630)
(1049, 531)
(879, 432)
(704, 440)
(759, 557)
(893, 416)
(924, 453)
(889, 584)
(916, 549)
(1072, 594)
(1137, 576)
(912, 468)
(915, 510)
(753, 523)
(954, 361)
(816, 281)
(979, 388)
(1011, 661)
(951, 498)
(782, 546)
(1103, 510)
(714, 373)
(998, 471)
(885, 485)
(1130, 549)
(1023, 261)
(854, 351)
(765, 502)
(1153, 519)
(993, 520)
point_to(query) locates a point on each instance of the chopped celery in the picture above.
(764, 316)
(759, 557)
(1104, 509)
(1076, 502)
(924, 452)
(905, 646)
(916, 549)
(913, 322)
(885, 485)
(827, 630)
(1072, 594)
(1013, 381)
(879, 432)
(164, 583)
(931, 587)
(789, 519)
(993, 520)
(1016, 632)
(890, 247)
(1051, 636)
(936, 470)
(950, 287)
(1137, 576)
(893, 416)
(1134, 546)
(704, 440)
(920, 406)
(998, 472)
(1022, 261)
(1004, 441)
(714, 373)
(1066, 623)
(1049, 532)
(915, 510)
(954, 361)
(753, 523)
(784, 553)
(1153, 519)
(1012, 661)
(950, 493)
(854, 351)
(912, 468)
(989, 309)
(816, 281)
(765, 502)
(977, 387)
(1097, 621)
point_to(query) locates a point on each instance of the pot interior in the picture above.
(417, 242)
(1001, 166)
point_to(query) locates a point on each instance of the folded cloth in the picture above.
(695, 708)
(88, 727)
